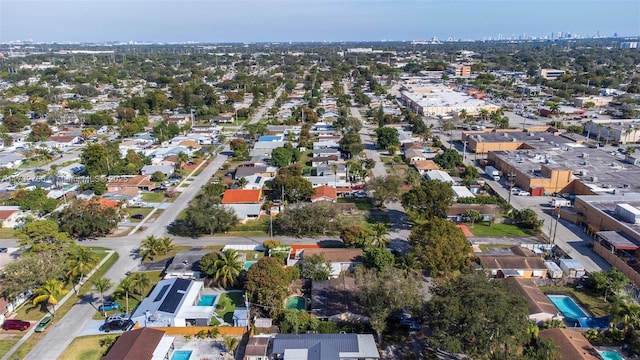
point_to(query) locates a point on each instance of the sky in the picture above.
(309, 20)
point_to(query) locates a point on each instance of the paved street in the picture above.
(59, 337)
(400, 228)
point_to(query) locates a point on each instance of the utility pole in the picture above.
(511, 176)
(555, 229)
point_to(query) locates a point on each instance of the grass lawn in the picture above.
(487, 247)
(6, 344)
(262, 224)
(182, 216)
(28, 345)
(361, 203)
(168, 255)
(236, 299)
(213, 248)
(242, 233)
(593, 303)
(7, 233)
(153, 197)
(133, 211)
(85, 348)
(497, 230)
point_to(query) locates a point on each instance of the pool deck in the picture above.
(616, 350)
(202, 349)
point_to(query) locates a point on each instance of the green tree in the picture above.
(31, 271)
(80, 261)
(153, 246)
(231, 343)
(141, 282)
(298, 321)
(496, 328)
(351, 145)
(240, 148)
(227, 268)
(241, 183)
(290, 180)
(95, 159)
(102, 285)
(281, 157)
(441, 246)
(384, 292)
(98, 187)
(385, 188)
(15, 123)
(607, 281)
(378, 236)
(35, 200)
(42, 235)
(473, 216)
(207, 215)
(354, 235)
(387, 137)
(449, 159)
(267, 283)
(40, 132)
(378, 258)
(317, 218)
(125, 288)
(409, 264)
(84, 219)
(429, 200)
(315, 267)
(49, 294)
(528, 219)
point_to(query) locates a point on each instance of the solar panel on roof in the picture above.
(161, 293)
(258, 179)
(175, 295)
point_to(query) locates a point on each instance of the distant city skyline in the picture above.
(218, 21)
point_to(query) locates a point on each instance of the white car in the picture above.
(524, 193)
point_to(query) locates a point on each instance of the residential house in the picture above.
(271, 138)
(540, 307)
(323, 160)
(86, 195)
(571, 344)
(439, 175)
(457, 211)
(71, 170)
(127, 195)
(264, 171)
(324, 152)
(413, 155)
(222, 120)
(186, 265)
(63, 141)
(140, 182)
(256, 348)
(179, 120)
(423, 166)
(341, 259)
(265, 147)
(340, 184)
(246, 203)
(324, 346)
(11, 161)
(149, 170)
(518, 262)
(10, 216)
(173, 302)
(45, 185)
(335, 300)
(256, 182)
(141, 344)
(324, 193)
(460, 192)
(334, 169)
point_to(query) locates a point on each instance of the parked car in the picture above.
(121, 325)
(115, 317)
(524, 193)
(14, 324)
(137, 216)
(109, 305)
(44, 324)
(3, 250)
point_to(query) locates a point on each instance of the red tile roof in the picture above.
(5, 214)
(108, 203)
(241, 196)
(325, 191)
(135, 345)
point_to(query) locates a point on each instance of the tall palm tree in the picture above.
(126, 287)
(410, 264)
(150, 247)
(182, 158)
(166, 245)
(589, 123)
(231, 343)
(80, 261)
(141, 282)
(241, 183)
(228, 268)
(379, 232)
(334, 167)
(102, 285)
(49, 293)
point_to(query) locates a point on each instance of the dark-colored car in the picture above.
(117, 325)
(3, 250)
(108, 306)
(44, 324)
(137, 216)
(14, 324)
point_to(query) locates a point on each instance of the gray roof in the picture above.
(327, 346)
(186, 261)
(166, 296)
(243, 171)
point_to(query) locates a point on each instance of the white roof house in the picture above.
(439, 175)
(173, 302)
(460, 192)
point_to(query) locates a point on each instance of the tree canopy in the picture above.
(317, 218)
(385, 188)
(205, 214)
(387, 137)
(315, 267)
(84, 219)
(42, 235)
(429, 200)
(267, 284)
(441, 246)
(351, 145)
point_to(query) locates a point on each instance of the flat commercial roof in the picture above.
(617, 240)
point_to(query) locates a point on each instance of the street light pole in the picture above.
(511, 177)
(555, 229)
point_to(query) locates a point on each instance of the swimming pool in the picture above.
(248, 264)
(207, 300)
(568, 307)
(181, 355)
(296, 302)
(610, 355)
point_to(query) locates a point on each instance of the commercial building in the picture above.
(429, 99)
(481, 142)
(598, 101)
(550, 74)
(459, 70)
(620, 131)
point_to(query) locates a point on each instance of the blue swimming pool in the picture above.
(610, 355)
(568, 307)
(207, 300)
(247, 264)
(181, 355)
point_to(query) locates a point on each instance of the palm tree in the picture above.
(102, 285)
(463, 114)
(166, 245)
(606, 141)
(228, 268)
(630, 150)
(242, 182)
(182, 158)
(80, 261)
(334, 167)
(150, 247)
(126, 287)
(409, 264)
(141, 281)
(484, 114)
(589, 123)
(379, 232)
(49, 294)
(231, 343)
(626, 135)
